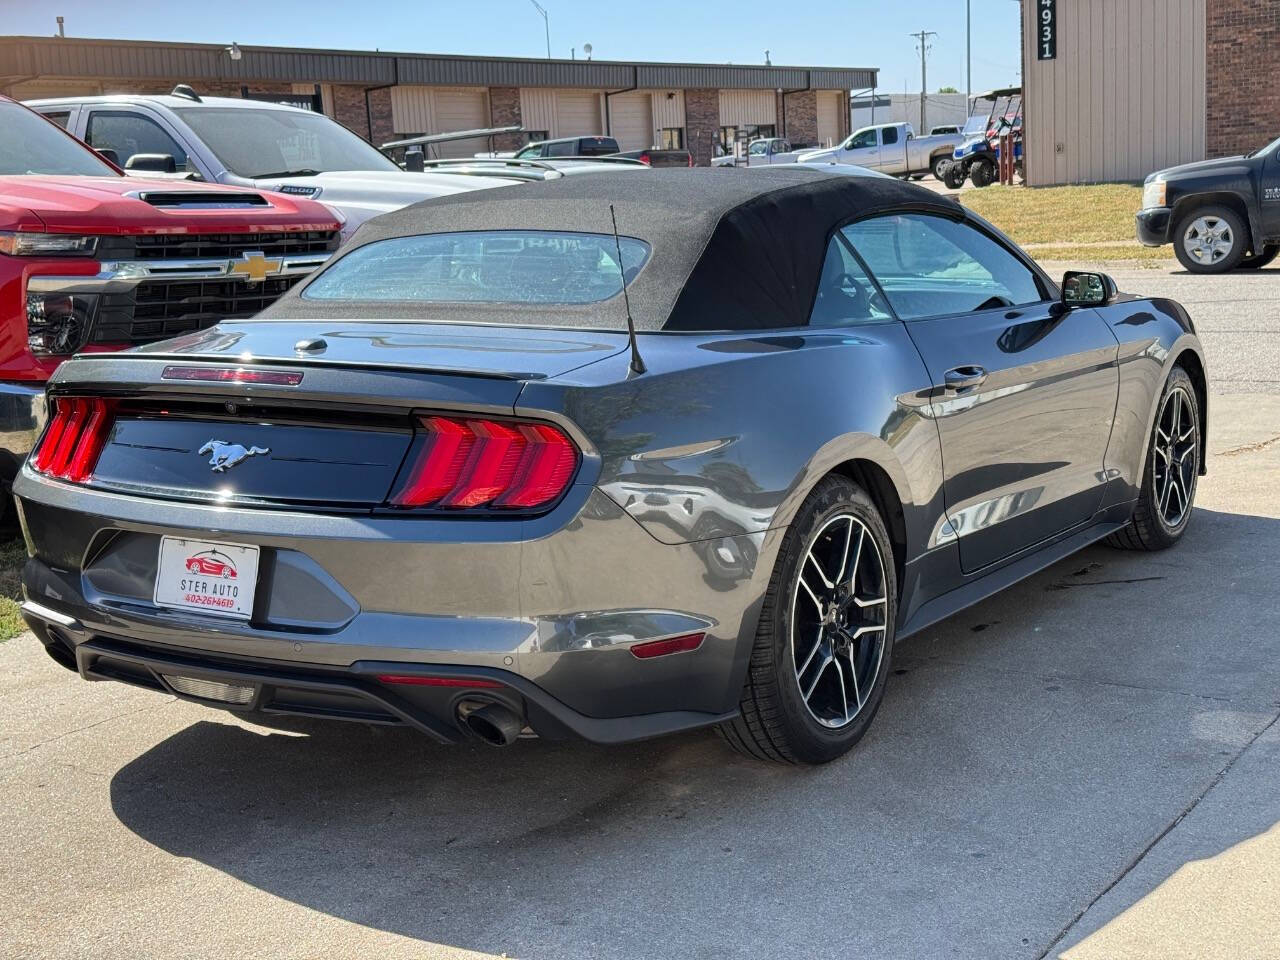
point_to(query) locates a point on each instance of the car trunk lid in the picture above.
(297, 414)
(502, 351)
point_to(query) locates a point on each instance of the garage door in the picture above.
(631, 120)
(828, 117)
(461, 110)
(577, 114)
(743, 108)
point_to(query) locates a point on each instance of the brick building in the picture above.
(385, 96)
(1116, 89)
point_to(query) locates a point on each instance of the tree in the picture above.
(948, 90)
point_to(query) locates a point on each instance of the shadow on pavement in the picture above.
(1028, 750)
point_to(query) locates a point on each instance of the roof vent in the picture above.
(185, 90)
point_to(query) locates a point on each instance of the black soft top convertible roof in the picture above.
(732, 249)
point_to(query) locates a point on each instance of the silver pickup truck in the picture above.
(891, 148)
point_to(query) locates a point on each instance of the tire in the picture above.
(936, 166)
(917, 176)
(1258, 261)
(983, 173)
(1218, 232)
(954, 176)
(777, 721)
(1155, 525)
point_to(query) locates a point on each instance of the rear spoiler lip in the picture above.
(298, 363)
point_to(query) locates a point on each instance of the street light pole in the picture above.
(546, 22)
(968, 52)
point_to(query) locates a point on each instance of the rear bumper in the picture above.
(22, 417)
(1153, 226)
(550, 607)
(354, 693)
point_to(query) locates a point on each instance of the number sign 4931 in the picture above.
(1047, 30)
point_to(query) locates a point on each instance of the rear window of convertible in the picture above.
(502, 266)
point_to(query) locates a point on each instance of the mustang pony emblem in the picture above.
(227, 455)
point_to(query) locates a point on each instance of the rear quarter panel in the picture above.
(726, 434)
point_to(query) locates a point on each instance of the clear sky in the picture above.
(853, 33)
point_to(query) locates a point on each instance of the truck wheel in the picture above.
(1260, 260)
(936, 166)
(983, 173)
(1210, 239)
(954, 176)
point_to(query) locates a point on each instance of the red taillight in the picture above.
(469, 463)
(660, 648)
(74, 440)
(691, 159)
(645, 158)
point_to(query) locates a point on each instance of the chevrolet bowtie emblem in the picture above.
(255, 267)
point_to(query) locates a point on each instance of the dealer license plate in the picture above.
(207, 576)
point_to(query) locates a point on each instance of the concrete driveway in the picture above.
(1086, 765)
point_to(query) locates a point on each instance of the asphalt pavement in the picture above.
(1086, 765)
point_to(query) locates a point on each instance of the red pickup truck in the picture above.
(93, 260)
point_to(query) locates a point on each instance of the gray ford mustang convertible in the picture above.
(606, 459)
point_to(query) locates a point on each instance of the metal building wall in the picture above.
(1125, 96)
(562, 113)
(740, 108)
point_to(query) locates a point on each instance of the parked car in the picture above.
(891, 148)
(760, 153)
(656, 157)
(510, 169)
(1218, 214)
(496, 494)
(91, 260)
(249, 143)
(592, 146)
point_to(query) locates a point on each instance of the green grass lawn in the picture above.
(1087, 223)
(13, 554)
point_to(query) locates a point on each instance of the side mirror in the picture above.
(1081, 289)
(413, 161)
(152, 163)
(108, 154)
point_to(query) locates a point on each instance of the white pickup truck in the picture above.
(248, 143)
(891, 148)
(759, 153)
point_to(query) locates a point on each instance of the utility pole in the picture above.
(923, 36)
(968, 53)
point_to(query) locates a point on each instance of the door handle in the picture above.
(964, 378)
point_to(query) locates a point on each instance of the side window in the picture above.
(930, 266)
(846, 295)
(889, 135)
(60, 117)
(530, 153)
(867, 138)
(130, 133)
(565, 148)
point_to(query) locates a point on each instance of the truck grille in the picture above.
(158, 309)
(213, 245)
